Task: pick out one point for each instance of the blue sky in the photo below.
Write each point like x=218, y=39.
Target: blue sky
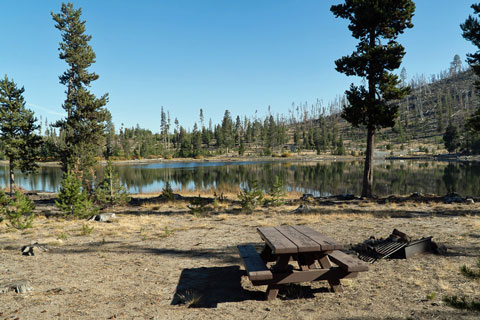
x=210, y=54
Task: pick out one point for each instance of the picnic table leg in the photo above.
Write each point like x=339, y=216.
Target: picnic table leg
x=280, y=265
x=306, y=261
x=266, y=254
x=335, y=285
x=325, y=262
x=272, y=291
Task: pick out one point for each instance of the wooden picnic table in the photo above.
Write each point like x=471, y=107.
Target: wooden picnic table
x=294, y=254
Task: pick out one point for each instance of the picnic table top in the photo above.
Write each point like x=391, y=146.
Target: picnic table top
x=296, y=239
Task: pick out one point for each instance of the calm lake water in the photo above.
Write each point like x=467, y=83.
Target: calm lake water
x=318, y=178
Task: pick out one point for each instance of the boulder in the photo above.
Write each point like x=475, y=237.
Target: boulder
x=33, y=249
x=438, y=248
x=346, y=196
x=307, y=197
x=18, y=287
x=452, y=198
x=399, y=236
x=103, y=217
x=303, y=208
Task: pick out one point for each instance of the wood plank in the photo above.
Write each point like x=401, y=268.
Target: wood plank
x=296, y=276
x=277, y=241
x=303, y=243
x=347, y=262
x=326, y=244
x=253, y=263
x=325, y=262
x=335, y=285
x=272, y=291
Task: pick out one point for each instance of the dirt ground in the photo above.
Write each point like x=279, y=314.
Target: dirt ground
x=157, y=260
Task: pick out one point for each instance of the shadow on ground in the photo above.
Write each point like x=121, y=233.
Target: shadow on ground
x=227, y=254
x=207, y=287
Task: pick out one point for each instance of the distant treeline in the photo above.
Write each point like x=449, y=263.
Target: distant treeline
x=424, y=115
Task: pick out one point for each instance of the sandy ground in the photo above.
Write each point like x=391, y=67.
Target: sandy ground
x=158, y=261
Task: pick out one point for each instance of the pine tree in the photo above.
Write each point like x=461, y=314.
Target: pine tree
x=72, y=198
x=163, y=125
x=17, y=130
x=84, y=126
x=455, y=65
x=227, y=131
x=241, y=148
x=471, y=32
x=111, y=192
x=376, y=24
x=110, y=139
x=451, y=138
x=196, y=141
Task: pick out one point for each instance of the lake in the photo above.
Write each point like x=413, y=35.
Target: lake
x=323, y=178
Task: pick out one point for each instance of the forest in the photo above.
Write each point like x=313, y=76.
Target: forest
x=434, y=103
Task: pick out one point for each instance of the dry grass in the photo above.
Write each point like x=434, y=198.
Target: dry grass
x=148, y=248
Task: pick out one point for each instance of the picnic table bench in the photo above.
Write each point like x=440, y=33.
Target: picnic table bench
x=314, y=256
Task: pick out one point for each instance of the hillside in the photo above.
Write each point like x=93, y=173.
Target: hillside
x=308, y=128
x=424, y=115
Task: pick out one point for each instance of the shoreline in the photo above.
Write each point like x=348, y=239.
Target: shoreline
x=295, y=158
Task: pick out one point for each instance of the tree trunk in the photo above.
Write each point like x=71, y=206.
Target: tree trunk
x=111, y=186
x=368, y=170
x=12, y=177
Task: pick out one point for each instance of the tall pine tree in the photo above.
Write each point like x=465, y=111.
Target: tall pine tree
x=17, y=130
x=376, y=24
x=84, y=126
x=471, y=32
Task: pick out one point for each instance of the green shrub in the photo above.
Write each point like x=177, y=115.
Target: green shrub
x=19, y=211
x=111, y=192
x=251, y=197
x=464, y=302
x=72, y=199
x=267, y=152
x=167, y=192
x=3, y=203
x=198, y=206
x=241, y=148
x=277, y=192
x=167, y=232
x=86, y=230
x=471, y=273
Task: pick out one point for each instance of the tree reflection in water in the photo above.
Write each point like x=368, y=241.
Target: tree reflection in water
x=318, y=178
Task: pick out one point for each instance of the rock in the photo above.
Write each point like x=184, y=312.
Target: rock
x=103, y=217
x=346, y=196
x=401, y=235
x=307, y=197
x=18, y=287
x=371, y=241
x=470, y=201
x=438, y=248
x=303, y=208
x=33, y=249
x=452, y=198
